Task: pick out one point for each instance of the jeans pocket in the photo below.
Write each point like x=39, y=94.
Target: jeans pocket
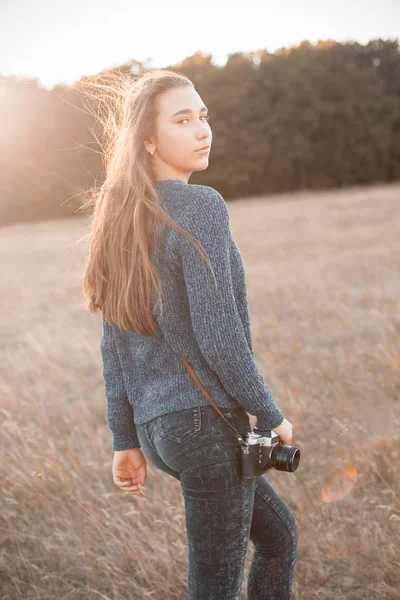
x=179, y=426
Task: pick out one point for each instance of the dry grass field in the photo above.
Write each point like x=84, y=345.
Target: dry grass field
x=323, y=281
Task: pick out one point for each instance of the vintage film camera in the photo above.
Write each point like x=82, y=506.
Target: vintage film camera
x=260, y=451
x=263, y=452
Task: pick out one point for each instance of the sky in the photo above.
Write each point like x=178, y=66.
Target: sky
x=58, y=42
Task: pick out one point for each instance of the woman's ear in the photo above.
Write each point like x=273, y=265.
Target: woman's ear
x=149, y=145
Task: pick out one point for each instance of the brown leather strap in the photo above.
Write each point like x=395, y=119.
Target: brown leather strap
x=204, y=391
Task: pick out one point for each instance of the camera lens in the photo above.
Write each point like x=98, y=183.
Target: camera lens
x=285, y=458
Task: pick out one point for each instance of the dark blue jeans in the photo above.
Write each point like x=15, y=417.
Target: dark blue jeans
x=222, y=510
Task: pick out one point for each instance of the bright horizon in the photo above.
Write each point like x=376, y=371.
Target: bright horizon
x=60, y=44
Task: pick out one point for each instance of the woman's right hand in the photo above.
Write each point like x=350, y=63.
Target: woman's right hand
x=285, y=432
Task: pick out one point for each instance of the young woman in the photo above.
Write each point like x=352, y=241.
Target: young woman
x=169, y=279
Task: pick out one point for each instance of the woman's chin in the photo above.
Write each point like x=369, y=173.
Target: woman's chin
x=202, y=160
x=200, y=167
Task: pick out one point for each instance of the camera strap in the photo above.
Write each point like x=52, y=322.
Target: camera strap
x=210, y=400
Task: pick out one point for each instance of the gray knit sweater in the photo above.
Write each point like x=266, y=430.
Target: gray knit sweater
x=143, y=375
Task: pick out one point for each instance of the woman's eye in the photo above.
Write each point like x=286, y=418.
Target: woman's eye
x=207, y=117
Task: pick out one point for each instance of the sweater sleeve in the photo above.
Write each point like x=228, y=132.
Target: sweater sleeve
x=242, y=301
x=119, y=410
x=214, y=315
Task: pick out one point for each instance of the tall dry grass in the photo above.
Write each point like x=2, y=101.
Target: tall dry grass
x=323, y=280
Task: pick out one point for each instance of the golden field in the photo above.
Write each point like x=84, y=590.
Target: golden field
x=323, y=275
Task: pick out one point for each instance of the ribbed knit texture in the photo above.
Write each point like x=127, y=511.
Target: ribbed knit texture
x=143, y=375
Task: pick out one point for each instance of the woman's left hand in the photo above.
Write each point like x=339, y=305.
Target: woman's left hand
x=129, y=470
x=253, y=421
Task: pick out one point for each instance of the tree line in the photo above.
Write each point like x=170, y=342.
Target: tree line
x=308, y=117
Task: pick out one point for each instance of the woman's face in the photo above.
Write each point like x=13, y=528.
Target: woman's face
x=180, y=136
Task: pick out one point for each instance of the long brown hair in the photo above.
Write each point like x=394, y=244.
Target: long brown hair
x=126, y=212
